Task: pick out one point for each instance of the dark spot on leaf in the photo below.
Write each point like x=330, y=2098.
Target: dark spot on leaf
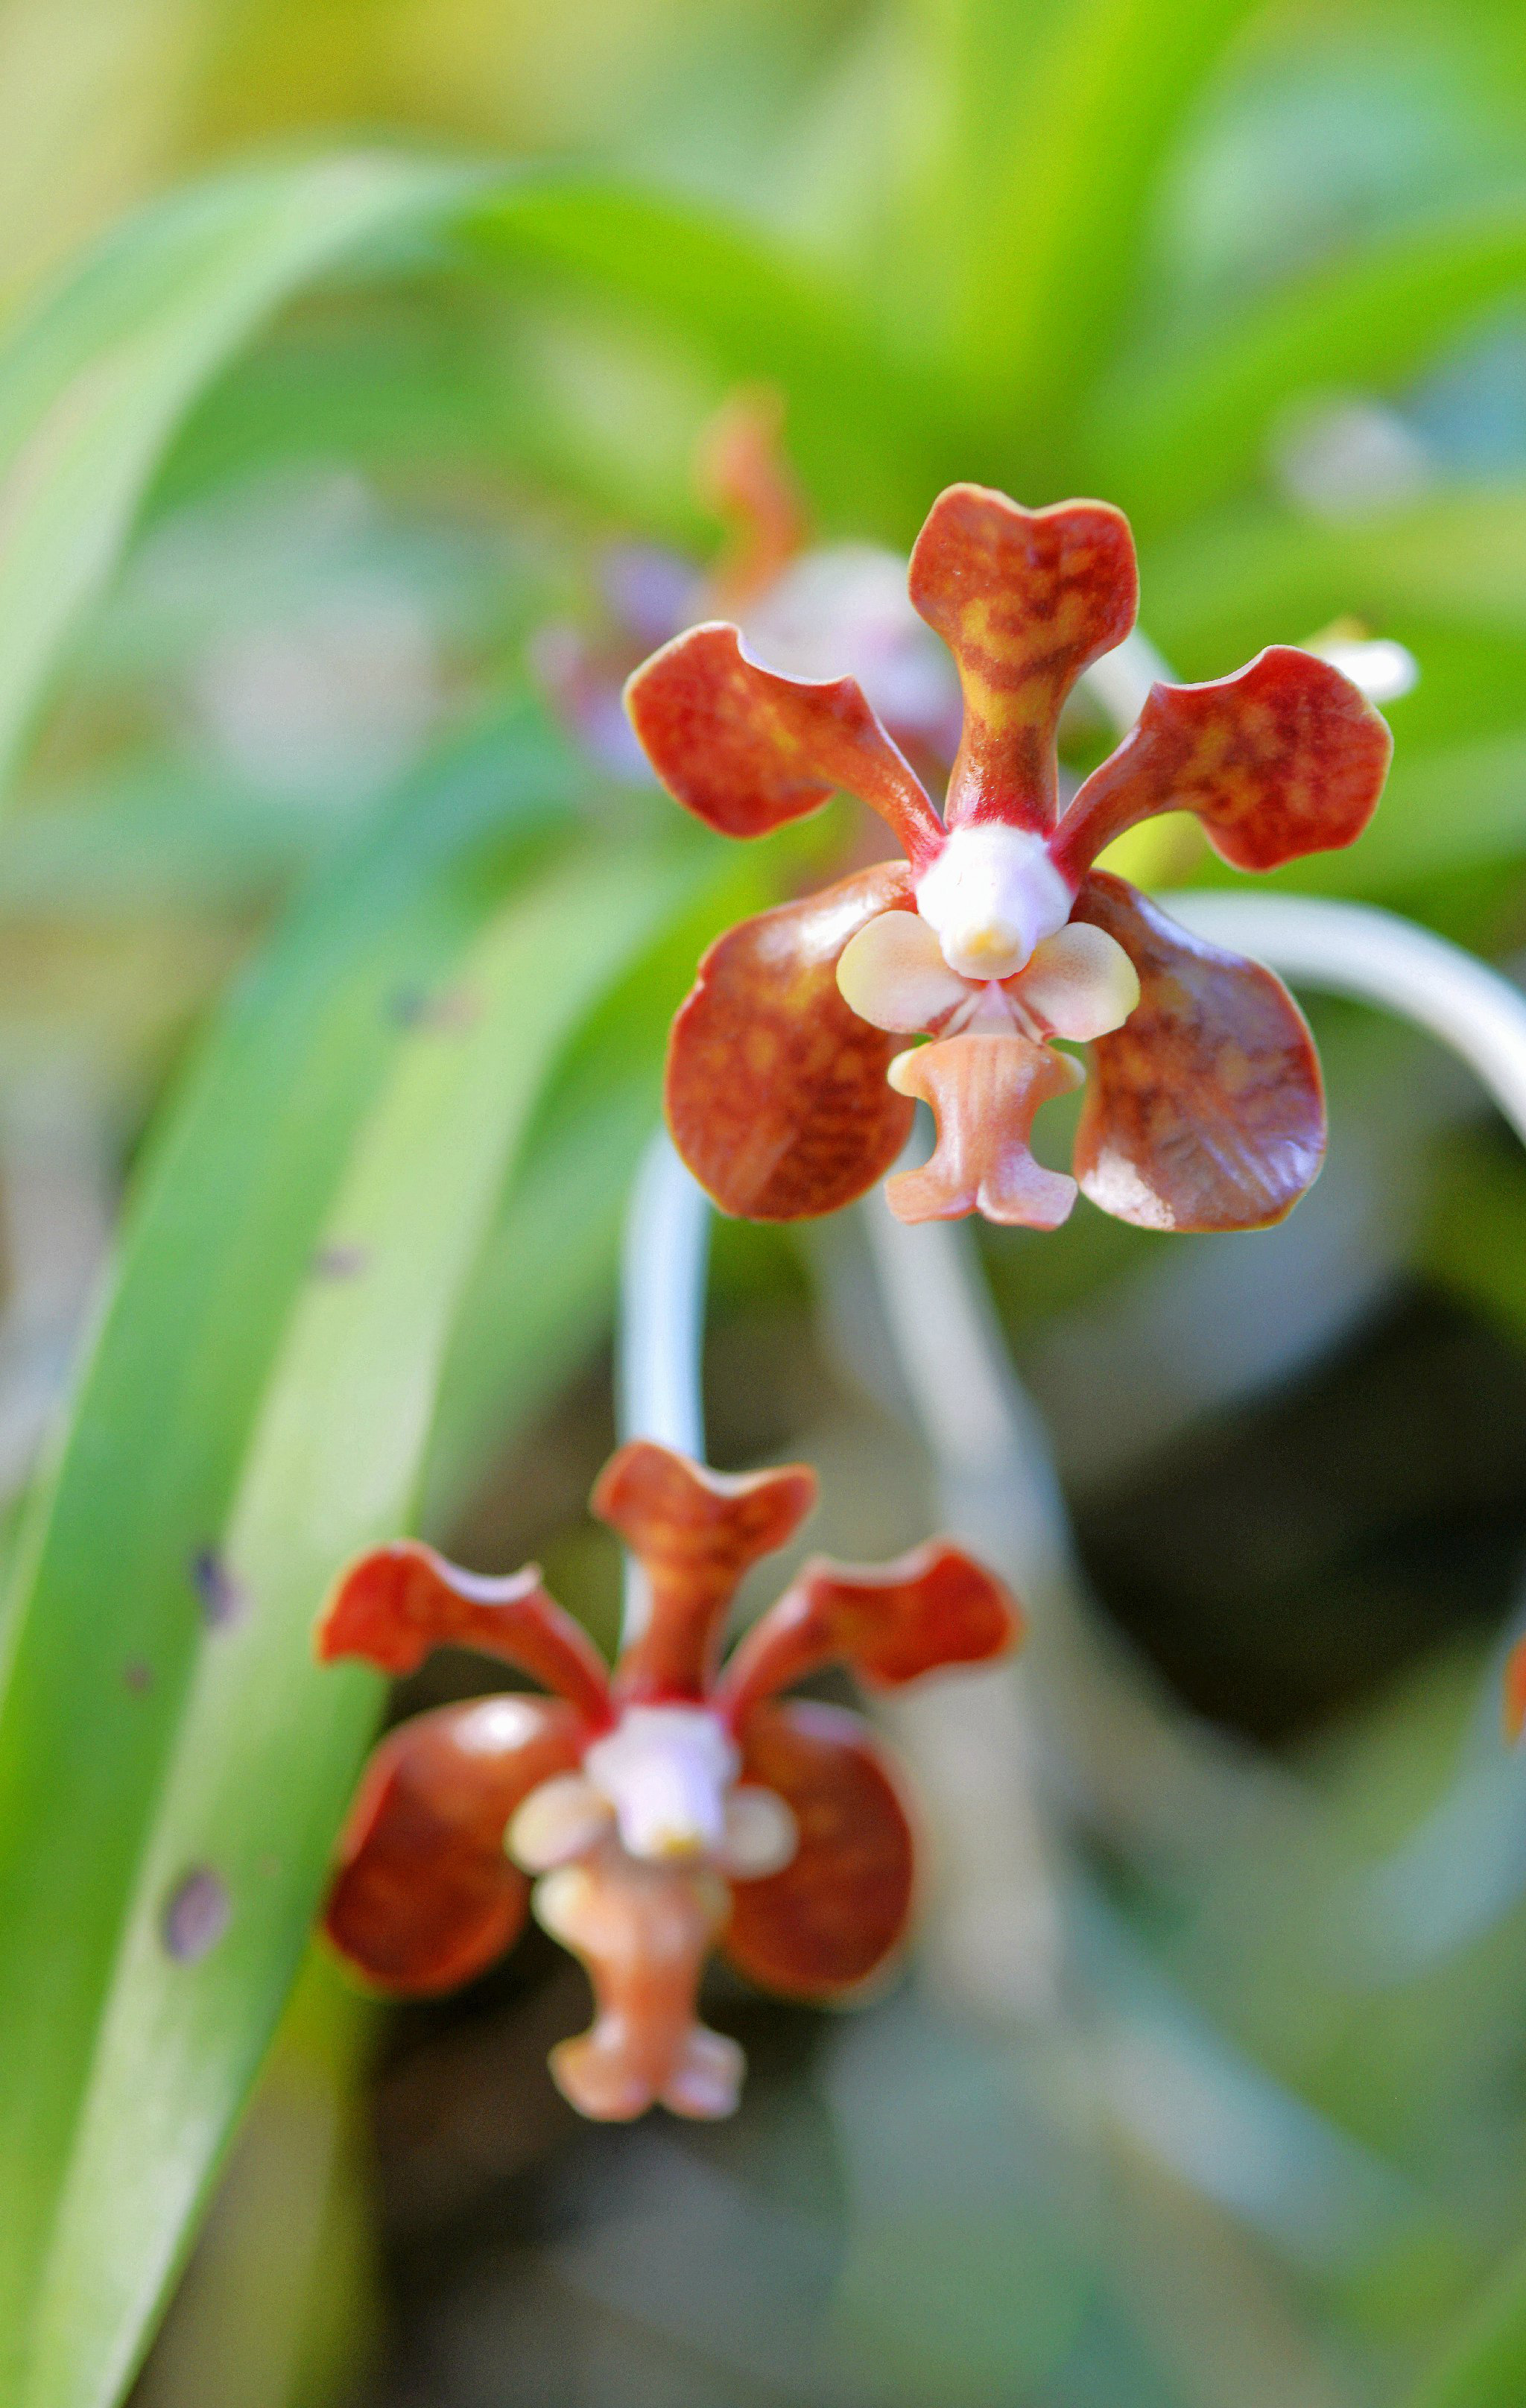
x=138, y=1676
x=339, y=1262
x=450, y=1009
x=225, y=1599
x=195, y=1916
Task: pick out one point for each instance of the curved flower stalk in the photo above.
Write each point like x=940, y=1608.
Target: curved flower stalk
x=673, y=1806
x=807, y=608
x=787, y=1095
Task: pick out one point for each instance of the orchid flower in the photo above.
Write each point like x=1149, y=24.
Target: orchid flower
x=787, y=1092
x=667, y=1808
x=807, y=608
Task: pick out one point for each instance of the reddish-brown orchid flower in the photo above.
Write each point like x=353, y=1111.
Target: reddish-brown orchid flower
x=787, y=1095
x=670, y=1807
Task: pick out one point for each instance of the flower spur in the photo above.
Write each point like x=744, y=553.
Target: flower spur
x=666, y=1809
x=787, y=1095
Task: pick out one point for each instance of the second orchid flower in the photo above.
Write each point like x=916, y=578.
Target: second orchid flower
x=787, y=1094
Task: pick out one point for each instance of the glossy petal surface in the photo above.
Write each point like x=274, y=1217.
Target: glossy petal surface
x=397, y=1603
x=1286, y=758
x=1206, y=1110
x=888, y=1623
x=424, y=1897
x=694, y=1533
x=746, y=749
x=1025, y=600
x=776, y=1091
x=983, y=1092
x=838, y=1908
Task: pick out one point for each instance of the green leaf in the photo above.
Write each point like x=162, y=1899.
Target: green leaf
x=250, y=1781
x=1173, y=435
x=1485, y=2366
x=1051, y=249
x=103, y=1632
x=870, y=434
x=94, y=384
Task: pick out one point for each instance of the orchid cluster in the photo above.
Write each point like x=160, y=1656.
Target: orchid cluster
x=662, y=1811
x=790, y=1085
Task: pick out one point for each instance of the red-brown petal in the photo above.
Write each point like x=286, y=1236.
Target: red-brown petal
x=694, y=1532
x=1285, y=758
x=1514, y=1700
x=776, y=1092
x=888, y=1623
x=1205, y=1109
x=398, y=1603
x=983, y=1092
x=840, y=1907
x=745, y=750
x=1025, y=600
x=424, y=1897
x=742, y=475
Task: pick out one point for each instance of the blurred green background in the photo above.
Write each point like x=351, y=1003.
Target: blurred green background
x=327, y=944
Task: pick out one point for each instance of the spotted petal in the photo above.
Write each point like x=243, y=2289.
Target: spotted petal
x=746, y=749
x=776, y=1090
x=888, y=1623
x=1206, y=1111
x=838, y=1908
x=1025, y=601
x=1286, y=758
x=399, y=1602
x=424, y=1897
x=694, y=1532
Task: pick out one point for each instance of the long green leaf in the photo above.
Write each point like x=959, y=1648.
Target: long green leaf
x=1174, y=435
x=94, y=384
x=1050, y=250
x=870, y=433
x=102, y=1629
x=253, y=1778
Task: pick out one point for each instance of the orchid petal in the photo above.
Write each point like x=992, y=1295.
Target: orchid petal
x=1206, y=1111
x=743, y=476
x=694, y=1532
x=424, y=1897
x=1285, y=758
x=983, y=1092
x=643, y=1933
x=746, y=749
x=832, y=1916
x=888, y=1623
x=398, y=1603
x=1025, y=600
x=1080, y=983
x=893, y=974
x=776, y=1091
x=562, y=1819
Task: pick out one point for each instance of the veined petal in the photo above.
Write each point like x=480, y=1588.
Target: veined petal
x=888, y=1623
x=983, y=1092
x=424, y=1896
x=399, y=1602
x=776, y=1090
x=746, y=749
x=893, y=974
x=1025, y=600
x=694, y=1532
x=1080, y=983
x=1285, y=758
x=832, y=1916
x=1206, y=1110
